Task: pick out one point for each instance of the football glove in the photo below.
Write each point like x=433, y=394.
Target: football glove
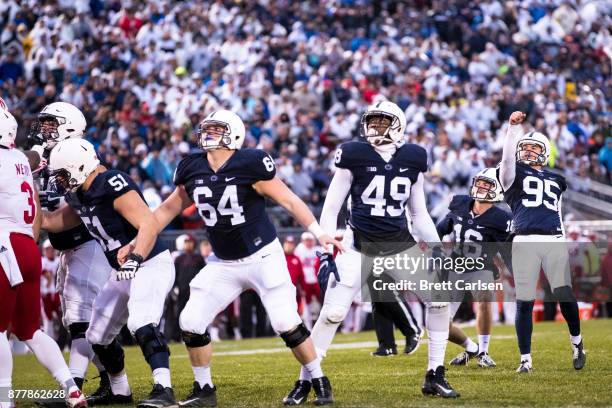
x=49, y=200
x=130, y=267
x=327, y=266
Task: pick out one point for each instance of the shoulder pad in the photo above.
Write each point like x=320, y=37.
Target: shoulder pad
x=350, y=154
x=415, y=155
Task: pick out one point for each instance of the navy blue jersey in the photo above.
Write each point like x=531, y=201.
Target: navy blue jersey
x=535, y=200
x=234, y=213
x=489, y=228
x=96, y=209
x=70, y=239
x=380, y=190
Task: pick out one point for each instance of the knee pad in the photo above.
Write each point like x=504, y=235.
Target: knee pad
x=296, y=336
x=334, y=314
x=77, y=330
x=111, y=356
x=564, y=294
x=193, y=340
x=151, y=341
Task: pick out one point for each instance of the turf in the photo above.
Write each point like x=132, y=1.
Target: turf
x=259, y=372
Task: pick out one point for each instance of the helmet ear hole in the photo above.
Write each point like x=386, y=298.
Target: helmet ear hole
x=81, y=167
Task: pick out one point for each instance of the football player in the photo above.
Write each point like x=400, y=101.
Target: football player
x=112, y=208
x=475, y=219
x=229, y=186
x=83, y=267
x=20, y=267
x=534, y=195
x=384, y=179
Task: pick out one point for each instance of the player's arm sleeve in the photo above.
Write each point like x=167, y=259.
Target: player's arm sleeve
x=445, y=226
x=423, y=225
x=336, y=195
x=263, y=167
x=507, y=169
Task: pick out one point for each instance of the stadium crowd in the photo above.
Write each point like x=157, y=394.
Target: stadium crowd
x=301, y=73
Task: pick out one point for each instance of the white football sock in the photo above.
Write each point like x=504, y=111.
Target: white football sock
x=202, y=375
x=49, y=355
x=436, y=322
x=526, y=357
x=483, y=343
x=81, y=354
x=314, y=368
x=470, y=346
x=305, y=374
x=576, y=339
x=162, y=376
x=6, y=368
x=119, y=384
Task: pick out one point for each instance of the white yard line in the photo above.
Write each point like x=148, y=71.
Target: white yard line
x=339, y=346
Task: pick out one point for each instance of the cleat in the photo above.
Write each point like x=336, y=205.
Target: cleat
x=76, y=399
x=525, y=367
x=79, y=382
x=384, y=352
x=298, y=394
x=463, y=358
x=485, y=361
x=436, y=384
x=158, y=398
x=323, y=391
x=104, y=395
x=412, y=343
x=578, y=355
x=200, y=396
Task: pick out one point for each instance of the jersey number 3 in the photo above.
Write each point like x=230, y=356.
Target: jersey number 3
x=228, y=205
x=30, y=214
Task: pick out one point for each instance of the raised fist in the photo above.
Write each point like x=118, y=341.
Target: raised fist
x=517, y=118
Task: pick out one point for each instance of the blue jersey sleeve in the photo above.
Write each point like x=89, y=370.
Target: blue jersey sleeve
x=445, y=226
x=259, y=164
x=117, y=184
x=180, y=174
x=347, y=155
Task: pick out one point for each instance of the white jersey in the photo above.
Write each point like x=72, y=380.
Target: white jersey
x=17, y=204
x=308, y=257
x=47, y=281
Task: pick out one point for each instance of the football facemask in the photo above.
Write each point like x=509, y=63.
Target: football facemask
x=214, y=135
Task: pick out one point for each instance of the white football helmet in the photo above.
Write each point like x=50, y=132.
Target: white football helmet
x=59, y=121
x=394, y=133
x=494, y=193
x=232, y=136
x=70, y=163
x=533, y=138
x=8, y=127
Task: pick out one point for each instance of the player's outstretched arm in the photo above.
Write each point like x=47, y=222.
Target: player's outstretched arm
x=164, y=214
x=60, y=220
x=172, y=207
x=133, y=208
x=336, y=195
x=507, y=169
x=279, y=192
x=423, y=225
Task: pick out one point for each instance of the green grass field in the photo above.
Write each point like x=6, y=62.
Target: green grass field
x=259, y=372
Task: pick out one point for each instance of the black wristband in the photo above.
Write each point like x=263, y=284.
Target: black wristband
x=135, y=257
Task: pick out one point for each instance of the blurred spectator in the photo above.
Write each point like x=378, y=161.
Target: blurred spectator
x=300, y=75
x=306, y=251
